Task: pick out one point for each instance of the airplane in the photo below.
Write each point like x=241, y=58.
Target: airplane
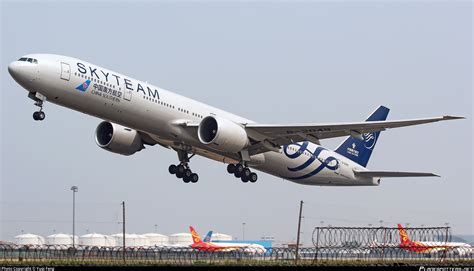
x=136, y=114
x=458, y=248
x=221, y=246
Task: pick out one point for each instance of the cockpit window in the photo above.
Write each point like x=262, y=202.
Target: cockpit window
x=31, y=60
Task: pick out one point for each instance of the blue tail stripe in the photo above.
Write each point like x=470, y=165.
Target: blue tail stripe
x=358, y=150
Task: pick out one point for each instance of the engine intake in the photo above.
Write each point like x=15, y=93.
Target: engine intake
x=222, y=134
x=118, y=139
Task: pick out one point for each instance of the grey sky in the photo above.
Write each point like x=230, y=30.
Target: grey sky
x=273, y=62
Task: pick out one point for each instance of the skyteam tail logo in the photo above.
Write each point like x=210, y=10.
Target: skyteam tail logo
x=369, y=140
x=83, y=87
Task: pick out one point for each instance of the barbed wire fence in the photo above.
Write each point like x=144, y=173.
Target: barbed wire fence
x=384, y=244
x=332, y=246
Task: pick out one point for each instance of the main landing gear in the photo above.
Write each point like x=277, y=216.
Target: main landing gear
x=182, y=171
x=242, y=172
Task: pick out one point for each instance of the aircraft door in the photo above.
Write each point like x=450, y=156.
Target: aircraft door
x=65, y=71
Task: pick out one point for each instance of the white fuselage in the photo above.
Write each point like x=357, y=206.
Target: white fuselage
x=157, y=112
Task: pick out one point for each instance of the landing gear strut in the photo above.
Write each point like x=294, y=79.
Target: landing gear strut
x=182, y=171
x=39, y=99
x=242, y=172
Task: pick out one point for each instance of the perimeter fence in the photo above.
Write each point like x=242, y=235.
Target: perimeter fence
x=332, y=246
x=383, y=244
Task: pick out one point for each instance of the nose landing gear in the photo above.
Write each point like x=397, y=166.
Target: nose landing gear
x=39, y=99
x=39, y=115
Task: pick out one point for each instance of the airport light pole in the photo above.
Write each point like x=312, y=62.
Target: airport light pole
x=74, y=190
x=123, y=229
x=243, y=230
x=299, y=231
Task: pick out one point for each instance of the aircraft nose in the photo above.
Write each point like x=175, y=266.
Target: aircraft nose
x=14, y=69
x=23, y=72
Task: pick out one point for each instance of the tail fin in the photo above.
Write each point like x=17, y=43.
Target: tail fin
x=404, y=239
x=195, y=236
x=359, y=150
x=207, y=238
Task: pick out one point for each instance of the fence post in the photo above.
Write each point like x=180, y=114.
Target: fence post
x=384, y=242
x=317, y=246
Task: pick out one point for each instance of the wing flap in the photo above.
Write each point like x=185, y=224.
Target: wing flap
x=387, y=174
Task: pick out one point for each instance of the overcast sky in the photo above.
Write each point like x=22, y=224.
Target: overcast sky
x=272, y=62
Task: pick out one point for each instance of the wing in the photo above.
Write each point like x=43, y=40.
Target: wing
x=269, y=137
x=385, y=174
x=300, y=132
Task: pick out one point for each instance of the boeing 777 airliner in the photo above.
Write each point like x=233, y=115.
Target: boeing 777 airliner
x=136, y=114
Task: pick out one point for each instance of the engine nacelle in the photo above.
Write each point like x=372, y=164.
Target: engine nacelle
x=222, y=134
x=117, y=138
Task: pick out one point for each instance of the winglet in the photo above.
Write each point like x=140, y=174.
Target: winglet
x=453, y=117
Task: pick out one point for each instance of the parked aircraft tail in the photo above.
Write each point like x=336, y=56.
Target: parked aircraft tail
x=207, y=238
x=195, y=236
x=404, y=239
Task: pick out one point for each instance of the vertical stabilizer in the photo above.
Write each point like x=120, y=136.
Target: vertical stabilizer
x=195, y=236
x=404, y=240
x=359, y=150
x=208, y=237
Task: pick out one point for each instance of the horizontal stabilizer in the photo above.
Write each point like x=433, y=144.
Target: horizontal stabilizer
x=385, y=174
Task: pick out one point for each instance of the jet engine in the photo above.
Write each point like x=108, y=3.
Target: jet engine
x=118, y=139
x=222, y=134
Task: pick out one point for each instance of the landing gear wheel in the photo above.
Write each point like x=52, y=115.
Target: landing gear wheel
x=186, y=179
x=253, y=177
x=187, y=173
x=239, y=168
x=246, y=173
x=237, y=174
x=180, y=169
x=39, y=115
x=172, y=169
x=231, y=168
x=244, y=179
x=194, y=178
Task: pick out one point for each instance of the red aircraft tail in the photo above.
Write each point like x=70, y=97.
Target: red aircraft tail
x=195, y=236
x=404, y=239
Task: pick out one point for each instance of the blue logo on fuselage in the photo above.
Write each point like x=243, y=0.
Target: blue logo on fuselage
x=83, y=87
x=326, y=163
